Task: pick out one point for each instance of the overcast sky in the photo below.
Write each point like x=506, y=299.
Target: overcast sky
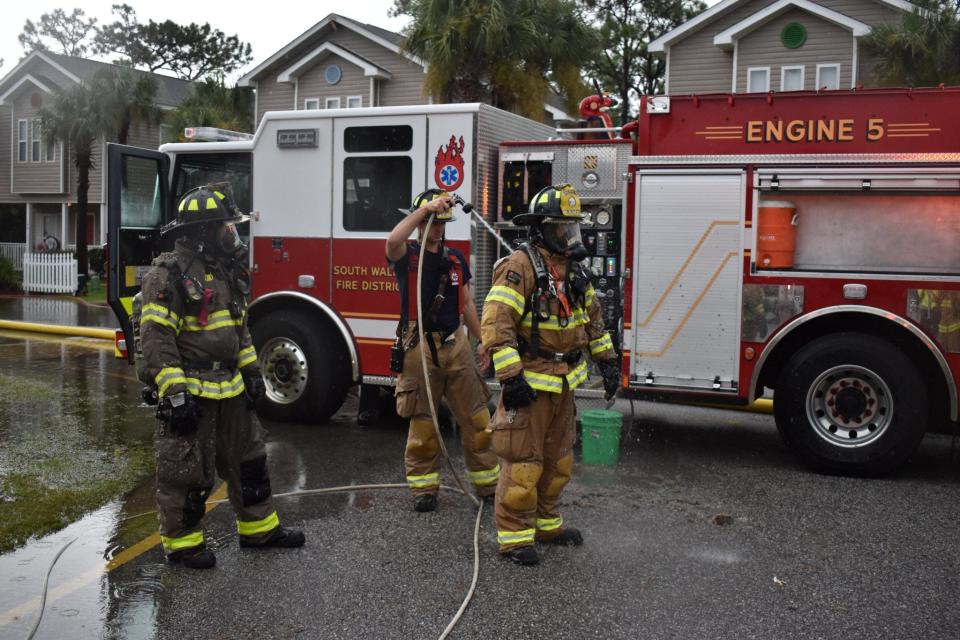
x=268, y=29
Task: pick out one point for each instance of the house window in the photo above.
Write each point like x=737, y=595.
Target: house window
x=758, y=79
x=354, y=102
x=36, y=141
x=50, y=152
x=332, y=103
x=21, y=141
x=828, y=76
x=311, y=103
x=791, y=78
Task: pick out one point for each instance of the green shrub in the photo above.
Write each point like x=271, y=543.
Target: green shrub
x=95, y=258
x=9, y=279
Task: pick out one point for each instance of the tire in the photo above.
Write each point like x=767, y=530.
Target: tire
x=851, y=404
x=305, y=366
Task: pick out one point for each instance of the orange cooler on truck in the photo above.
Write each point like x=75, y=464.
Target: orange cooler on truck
x=776, y=234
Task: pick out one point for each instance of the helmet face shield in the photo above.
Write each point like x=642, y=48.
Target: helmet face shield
x=223, y=239
x=563, y=237
x=228, y=239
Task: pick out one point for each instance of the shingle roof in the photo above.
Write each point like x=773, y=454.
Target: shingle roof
x=391, y=36
x=170, y=91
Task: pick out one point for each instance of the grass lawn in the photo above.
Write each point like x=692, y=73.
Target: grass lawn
x=55, y=468
x=95, y=297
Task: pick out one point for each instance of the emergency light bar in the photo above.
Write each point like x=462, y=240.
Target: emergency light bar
x=213, y=134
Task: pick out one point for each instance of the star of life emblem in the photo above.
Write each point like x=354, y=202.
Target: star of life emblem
x=448, y=165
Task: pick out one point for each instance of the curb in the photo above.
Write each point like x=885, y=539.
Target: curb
x=34, y=327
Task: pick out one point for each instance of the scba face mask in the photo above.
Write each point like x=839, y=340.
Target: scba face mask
x=563, y=237
x=225, y=239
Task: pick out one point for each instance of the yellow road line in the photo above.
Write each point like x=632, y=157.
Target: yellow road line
x=87, y=343
x=78, y=582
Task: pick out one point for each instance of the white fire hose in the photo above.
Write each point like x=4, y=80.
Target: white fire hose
x=364, y=487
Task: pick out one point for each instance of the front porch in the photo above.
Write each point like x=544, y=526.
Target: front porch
x=46, y=227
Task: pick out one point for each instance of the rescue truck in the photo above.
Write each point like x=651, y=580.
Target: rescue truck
x=801, y=244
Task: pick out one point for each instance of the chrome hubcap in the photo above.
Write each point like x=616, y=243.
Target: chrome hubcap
x=284, y=367
x=849, y=406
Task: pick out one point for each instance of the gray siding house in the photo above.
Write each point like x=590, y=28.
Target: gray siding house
x=38, y=180
x=786, y=45
x=342, y=63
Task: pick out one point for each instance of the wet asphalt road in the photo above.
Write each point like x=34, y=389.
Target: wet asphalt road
x=802, y=556
x=805, y=556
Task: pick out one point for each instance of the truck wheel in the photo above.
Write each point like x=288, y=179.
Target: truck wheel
x=852, y=404
x=306, y=371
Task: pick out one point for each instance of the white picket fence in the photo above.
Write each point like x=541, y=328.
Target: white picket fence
x=14, y=251
x=49, y=273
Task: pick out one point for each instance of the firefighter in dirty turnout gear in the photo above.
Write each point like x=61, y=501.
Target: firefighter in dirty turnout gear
x=539, y=319
x=200, y=358
x=452, y=369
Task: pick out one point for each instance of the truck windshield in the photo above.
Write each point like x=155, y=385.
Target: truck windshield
x=196, y=169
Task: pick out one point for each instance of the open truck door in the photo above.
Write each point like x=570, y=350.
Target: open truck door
x=138, y=206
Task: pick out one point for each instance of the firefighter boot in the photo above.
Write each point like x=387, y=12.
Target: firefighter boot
x=281, y=537
x=425, y=502
x=194, y=558
x=526, y=556
x=569, y=537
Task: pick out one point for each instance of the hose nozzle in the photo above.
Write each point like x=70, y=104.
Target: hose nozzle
x=466, y=206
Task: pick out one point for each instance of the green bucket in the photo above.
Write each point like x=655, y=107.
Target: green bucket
x=600, y=438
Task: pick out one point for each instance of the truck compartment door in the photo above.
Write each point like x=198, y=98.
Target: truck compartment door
x=137, y=206
x=687, y=281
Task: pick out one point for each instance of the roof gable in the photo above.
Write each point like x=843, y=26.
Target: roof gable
x=44, y=85
x=306, y=62
x=726, y=6
x=386, y=39
x=170, y=91
x=726, y=38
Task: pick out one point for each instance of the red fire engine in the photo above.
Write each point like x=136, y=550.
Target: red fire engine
x=801, y=243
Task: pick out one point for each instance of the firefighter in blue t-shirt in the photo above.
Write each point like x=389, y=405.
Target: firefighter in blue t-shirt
x=447, y=298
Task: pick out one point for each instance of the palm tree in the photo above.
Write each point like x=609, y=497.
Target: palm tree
x=128, y=95
x=213, y=104
x=510, y=53
x=922, y=50
x=78, y=118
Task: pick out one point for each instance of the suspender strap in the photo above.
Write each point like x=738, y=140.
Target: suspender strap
x=433, y=349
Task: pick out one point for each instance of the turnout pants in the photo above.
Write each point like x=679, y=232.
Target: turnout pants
x=458, y=381
x=229, y=442
x=536, y=445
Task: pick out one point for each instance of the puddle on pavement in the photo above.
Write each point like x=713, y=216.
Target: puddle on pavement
x=83, y=600
x=56, y=310
x=68, y=414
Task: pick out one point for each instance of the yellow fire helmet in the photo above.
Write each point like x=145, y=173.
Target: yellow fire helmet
x=204, y=204
x=427, y=196
x=556, y=201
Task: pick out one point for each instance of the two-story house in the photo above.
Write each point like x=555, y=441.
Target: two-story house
x=342, y=63
x=38, y=179
x=780, y=45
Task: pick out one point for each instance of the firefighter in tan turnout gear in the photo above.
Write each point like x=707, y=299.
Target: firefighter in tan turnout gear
x=198, y=355
x=452, y=369
x=539, y=317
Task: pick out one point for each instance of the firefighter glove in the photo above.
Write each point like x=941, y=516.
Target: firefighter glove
x=517, y=392
x=611, y=377
x=180, y=412
x=254, y=388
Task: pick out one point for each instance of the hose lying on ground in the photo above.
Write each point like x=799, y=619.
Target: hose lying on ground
x=362, y=487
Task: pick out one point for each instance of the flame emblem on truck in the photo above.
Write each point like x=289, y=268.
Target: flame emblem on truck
x=448, y=166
